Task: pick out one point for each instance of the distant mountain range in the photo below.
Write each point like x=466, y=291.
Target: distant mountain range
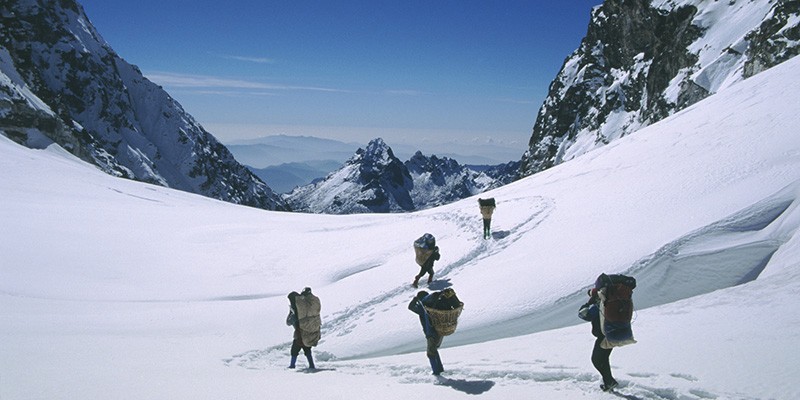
x=286, y=162
x=374, y=180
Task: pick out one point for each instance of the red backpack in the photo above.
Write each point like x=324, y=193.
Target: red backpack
x=616, y=309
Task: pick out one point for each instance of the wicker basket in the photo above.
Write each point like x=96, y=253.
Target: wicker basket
x=444, y=321
x=422, y=255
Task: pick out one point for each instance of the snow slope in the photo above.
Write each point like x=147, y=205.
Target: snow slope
x=111, y=288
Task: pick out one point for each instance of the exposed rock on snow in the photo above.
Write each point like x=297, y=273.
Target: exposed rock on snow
x=642, y=61
x=376, y=181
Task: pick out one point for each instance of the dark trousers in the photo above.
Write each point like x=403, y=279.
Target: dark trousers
x=297, y=345
x=427, y=269
x=433, y=346
x=487, y=228
x=600, y=361
x=433, y=354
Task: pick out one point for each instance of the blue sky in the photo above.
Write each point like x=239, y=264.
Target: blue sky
x=415, y=71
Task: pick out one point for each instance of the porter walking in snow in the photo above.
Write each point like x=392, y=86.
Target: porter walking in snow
x=487, y=209
x=609, y=309
x=304, y=316
x=426, y=253
x=438, y=314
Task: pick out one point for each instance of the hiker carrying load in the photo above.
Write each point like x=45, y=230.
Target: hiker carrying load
x=438, y=314
x=487, y=209
x=426, y=253
x=609, y=309
x=304, y=316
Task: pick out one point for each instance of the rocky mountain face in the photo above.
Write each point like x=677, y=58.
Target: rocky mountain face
x=438, y=181
x=375, y=181
x=60, y=82
x=643, y=60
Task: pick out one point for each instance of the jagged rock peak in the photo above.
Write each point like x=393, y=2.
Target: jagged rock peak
x=376, y=181
x=642, y=61
x=372, y=181
x=377, y=153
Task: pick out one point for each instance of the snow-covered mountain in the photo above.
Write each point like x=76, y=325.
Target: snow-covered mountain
x=439, y=181
x=61, y=82
x=375, y=180
x=643, y=60
x=111, y=288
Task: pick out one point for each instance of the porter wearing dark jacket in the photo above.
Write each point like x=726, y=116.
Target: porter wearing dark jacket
x=433, y=338
x=591, y=312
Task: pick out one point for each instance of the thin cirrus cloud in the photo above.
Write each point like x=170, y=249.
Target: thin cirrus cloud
x=257, y=60
x=204, y=82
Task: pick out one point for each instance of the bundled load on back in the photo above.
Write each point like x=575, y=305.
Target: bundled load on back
x=423, y=248
x=308, y=317
x=443, y=308
x=487, y=202
x=616, y=309
x=487, y=209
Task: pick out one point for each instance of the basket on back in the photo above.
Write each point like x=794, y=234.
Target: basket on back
x=444, y=321
x=423, y=248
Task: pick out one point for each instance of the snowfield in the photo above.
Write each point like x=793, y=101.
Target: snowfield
x=114, y=289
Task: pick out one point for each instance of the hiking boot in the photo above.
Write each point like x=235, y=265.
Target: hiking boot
x=416, y=282
x=610, y=386
x=310, y=361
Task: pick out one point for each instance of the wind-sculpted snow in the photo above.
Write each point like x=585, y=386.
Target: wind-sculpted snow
x=727, y=253
x=730, y=252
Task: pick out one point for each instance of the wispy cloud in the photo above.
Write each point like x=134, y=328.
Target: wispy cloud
x=207, y=82
x=257, y=60
x=232, y=93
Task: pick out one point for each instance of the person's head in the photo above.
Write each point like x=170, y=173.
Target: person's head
x=306, y=290
x=292, y=296
x=421, y=295
x=592, y=292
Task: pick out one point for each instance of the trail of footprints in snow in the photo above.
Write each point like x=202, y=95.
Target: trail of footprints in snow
x=641, y=385
x=338, y=324
x=638, y=385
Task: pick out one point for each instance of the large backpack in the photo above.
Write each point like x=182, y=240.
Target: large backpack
x=423, y=248
x=443, y=309
x=308, y=318
x=487, y=207
x=616, y=308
